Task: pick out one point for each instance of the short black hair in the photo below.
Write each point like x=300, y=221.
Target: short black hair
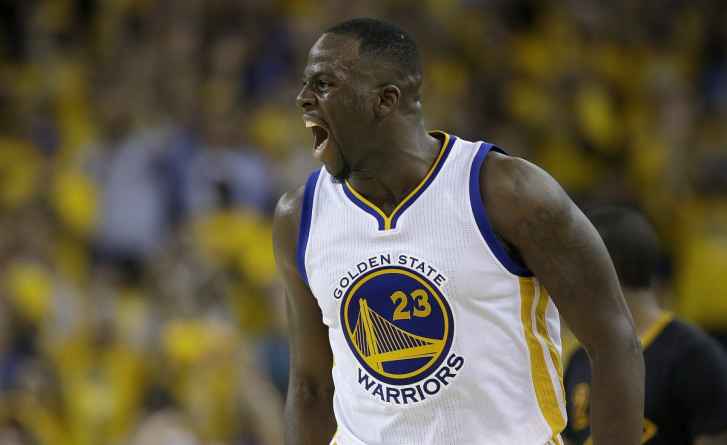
x=382, y=39
x=632, y=243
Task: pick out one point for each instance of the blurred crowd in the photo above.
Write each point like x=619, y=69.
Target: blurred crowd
x=143, y=144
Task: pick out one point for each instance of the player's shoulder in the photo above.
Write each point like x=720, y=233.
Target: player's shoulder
x=515, y=190
x=292, y=203
x=290, y=214
x=289, y=205
x=686, y=338
x=681, y=330
x=286, y=222
x=507, y=177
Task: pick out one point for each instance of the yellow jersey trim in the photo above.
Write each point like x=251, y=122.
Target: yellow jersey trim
x=535, y=330
x=655, y=329
x=388, y=219
x=555, y=357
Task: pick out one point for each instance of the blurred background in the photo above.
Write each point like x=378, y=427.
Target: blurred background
x=143, y=145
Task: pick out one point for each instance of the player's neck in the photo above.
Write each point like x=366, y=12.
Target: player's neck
x=388, y=176
x=645, y=309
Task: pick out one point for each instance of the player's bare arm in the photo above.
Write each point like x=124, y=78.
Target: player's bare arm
x=533, y=214
x=308, y=409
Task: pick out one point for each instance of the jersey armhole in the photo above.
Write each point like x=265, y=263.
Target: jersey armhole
x=480, y=213
x=306, y=213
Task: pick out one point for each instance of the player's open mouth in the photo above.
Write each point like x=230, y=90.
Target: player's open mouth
x=320, y=138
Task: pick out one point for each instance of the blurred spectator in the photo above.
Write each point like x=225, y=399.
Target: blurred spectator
x=227, y=172
x=164, y=428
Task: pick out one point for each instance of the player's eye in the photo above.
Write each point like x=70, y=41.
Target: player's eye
x=323, y=85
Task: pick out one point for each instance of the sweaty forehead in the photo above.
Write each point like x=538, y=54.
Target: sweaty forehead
x=333, y=52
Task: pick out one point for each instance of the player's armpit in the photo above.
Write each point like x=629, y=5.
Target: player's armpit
x=532, y=213
x=309, y=407
x=720, y=439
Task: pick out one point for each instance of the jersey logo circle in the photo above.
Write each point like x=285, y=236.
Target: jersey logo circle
x=397, y=324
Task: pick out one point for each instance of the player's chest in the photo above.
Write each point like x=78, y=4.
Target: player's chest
x=417, y=286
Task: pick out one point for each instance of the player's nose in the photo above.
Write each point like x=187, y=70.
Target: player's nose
x=305, y=98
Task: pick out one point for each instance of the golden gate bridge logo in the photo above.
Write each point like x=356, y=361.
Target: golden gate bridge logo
x=397, y=324
x=380, y=340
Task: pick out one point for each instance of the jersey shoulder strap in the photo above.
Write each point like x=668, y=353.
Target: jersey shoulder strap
x=306, y=213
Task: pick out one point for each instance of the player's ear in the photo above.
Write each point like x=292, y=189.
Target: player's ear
x=388, y=100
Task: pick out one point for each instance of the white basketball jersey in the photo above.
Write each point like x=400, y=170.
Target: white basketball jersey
x=438, y=337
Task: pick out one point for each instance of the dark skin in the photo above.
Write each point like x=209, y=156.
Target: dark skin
x=378, y=142
x=308, y=408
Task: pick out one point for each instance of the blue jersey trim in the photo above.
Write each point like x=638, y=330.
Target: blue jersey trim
x=483, y=222
x=305, y=222
x=388, y=222
x=361, y=205
x=435, y=172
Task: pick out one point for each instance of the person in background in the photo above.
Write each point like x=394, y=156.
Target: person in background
x=686, y=370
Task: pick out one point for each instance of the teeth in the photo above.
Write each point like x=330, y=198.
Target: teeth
x=309, y=124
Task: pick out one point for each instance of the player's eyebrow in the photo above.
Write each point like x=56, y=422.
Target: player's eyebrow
x=313, y=70
x=322, y=69
x=314, y=75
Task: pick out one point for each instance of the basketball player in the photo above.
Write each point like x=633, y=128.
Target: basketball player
x=686, y=371
x=419, y=268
